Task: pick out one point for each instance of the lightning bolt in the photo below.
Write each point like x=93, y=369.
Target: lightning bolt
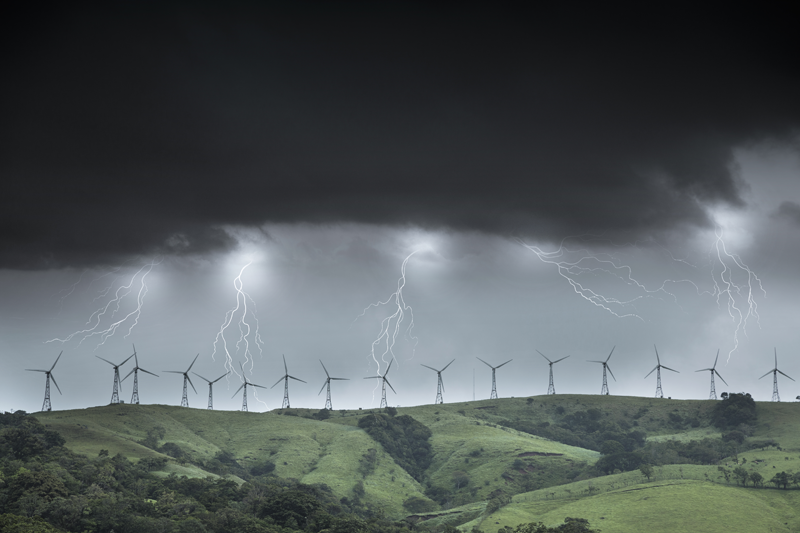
x=239, y=312
x=573, y=263
x=111, y=308
x=390, y=325
x=733, y=290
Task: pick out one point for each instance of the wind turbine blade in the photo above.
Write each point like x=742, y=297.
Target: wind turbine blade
x=388, y=367
x=704, y=369
x=498, y=366
x=237, y=390
x=341, y=379
x=543, y=355
x=484, y=362
x=715, y=359
x=201, y=377
x=609, y=355
x=374, y=377
x=284, y=365
x=298, y=379
x=657, y=357
x=767, y=374
x=110, y=363
x=668, y=368
x=591, y=361
x=34, y=370
x=323, y=387
x=172, y=371
x=193, y=360
x=776, y=359
x=59, y=389
x=390, y=385
x=557, y=360
x=325, y=369
x=126, y=360
x=720, y=377
x=259, y=386
x=426, y=366
x=219, y=378
x=190, y=383
x=654, y=369
x=443, y=386
x=62, y=351
x=610, y=372
x=147, y=371
x=276, y=383
x=129, y=373
x=448, y=364
x=786, y=375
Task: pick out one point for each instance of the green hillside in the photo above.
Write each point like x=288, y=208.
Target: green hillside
x=494, y=463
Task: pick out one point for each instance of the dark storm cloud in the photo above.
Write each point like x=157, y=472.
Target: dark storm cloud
x=788, y=211
x=150, y=129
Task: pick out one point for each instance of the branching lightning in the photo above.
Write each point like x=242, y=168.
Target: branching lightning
x=95, y=326
x=239, y=313
x=573, y=263
x=732, y=282
x=390, y=325
x=726, y=279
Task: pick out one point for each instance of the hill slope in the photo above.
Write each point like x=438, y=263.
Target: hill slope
x=484, y=472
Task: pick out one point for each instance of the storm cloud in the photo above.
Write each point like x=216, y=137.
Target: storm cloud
x=152, y=129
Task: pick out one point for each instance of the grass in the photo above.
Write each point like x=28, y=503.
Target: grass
x=472, y=437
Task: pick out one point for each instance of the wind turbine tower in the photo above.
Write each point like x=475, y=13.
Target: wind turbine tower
x=244, y=386
x=493, y=395
x=285, y=379
x=713, y=369
x=775, y=396
x=328, y=404
x=210, y=388
x=135, y=372
x=185, y=398
x=551, y=389
x=383, y=384
x=117, y=384
x=46, y=406
x=604, y=390
x=657, y=370
x=440, y=386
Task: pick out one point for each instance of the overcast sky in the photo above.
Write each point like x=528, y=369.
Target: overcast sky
x=566, y=181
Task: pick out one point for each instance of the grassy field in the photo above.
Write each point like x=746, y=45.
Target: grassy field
x=474, y=440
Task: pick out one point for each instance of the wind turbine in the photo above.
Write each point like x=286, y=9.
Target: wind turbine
x=440, y=386
x=286, y=385
x=551, y=389
x=185, y=398
x=493, y=395
x=327, y=383
x=135, y=372
x=384, y=383
x=713, y=369
x=604, y=390
x=657, y=370
x=244, y=386
x=210, y=389
x=117, y=384
x=49, y=373
x=775, y=396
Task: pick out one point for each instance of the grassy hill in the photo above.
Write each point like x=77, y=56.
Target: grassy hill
x=487, y=469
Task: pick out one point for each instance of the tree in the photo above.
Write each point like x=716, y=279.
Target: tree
x=757, y=479
x=781, y=479
x=737, y=408
x=646, y=470
x=741, y=475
